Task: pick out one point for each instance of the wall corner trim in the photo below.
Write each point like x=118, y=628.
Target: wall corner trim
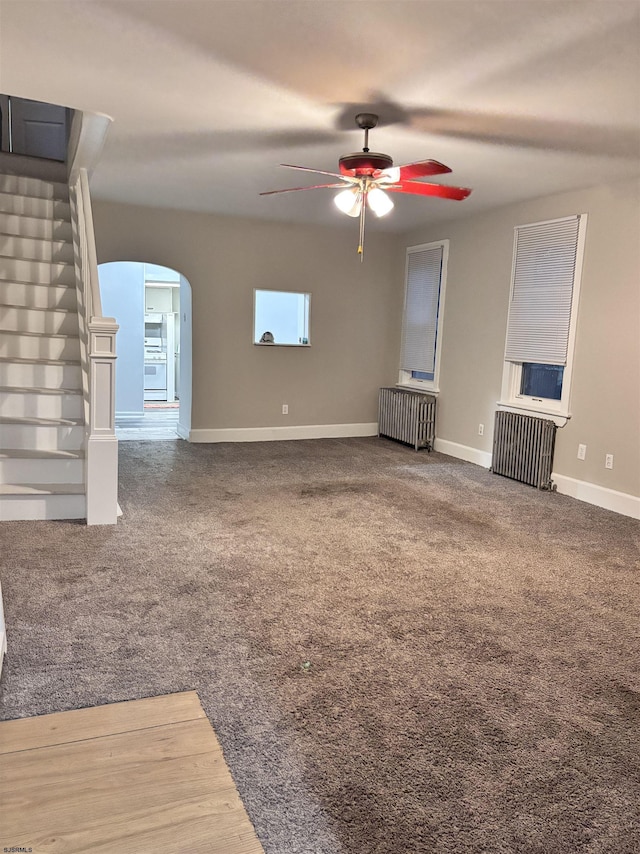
x=184, y=433
x=463, y=452
x=276, y=434
x=601, y=496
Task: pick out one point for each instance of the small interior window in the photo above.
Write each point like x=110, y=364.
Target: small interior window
x=281, y=318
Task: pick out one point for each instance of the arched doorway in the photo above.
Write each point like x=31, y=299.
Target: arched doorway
x=152, y=305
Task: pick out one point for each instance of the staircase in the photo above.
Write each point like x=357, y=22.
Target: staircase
x=42, y=424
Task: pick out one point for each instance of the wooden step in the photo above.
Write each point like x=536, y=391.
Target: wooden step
x=25, y=466
x=28, y=295
x=42, y=434
x=37, y=321
x=40, y=403
x=35, y=248
x=36, y=272
x=43, y=228
x=41, y=501
x=23, y=345
x=44, y=373
x=21, y=185
x=34, y=206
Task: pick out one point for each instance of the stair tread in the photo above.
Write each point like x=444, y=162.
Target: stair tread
x=55, y=310
x=20, y=360
x=39, y=334
x=15, y=389
x=33, y=454
x=64, y=199
x=7, y=489
x=56, y=223
x=36, y=260
x=36, y=284
x=42, y=422
x=39, y=239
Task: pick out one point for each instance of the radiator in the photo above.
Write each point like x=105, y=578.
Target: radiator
x=523, y=448
x=408, y=416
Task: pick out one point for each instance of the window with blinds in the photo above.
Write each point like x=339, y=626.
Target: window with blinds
x=542, y=292
x=542, y=311
x=423, y=309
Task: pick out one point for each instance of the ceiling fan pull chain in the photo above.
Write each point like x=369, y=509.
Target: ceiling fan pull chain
x=363, y=210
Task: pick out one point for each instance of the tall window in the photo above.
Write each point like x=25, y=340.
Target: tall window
x=423, y=314
x=543, y=310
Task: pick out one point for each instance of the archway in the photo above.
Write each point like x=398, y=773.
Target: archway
x=152, y=305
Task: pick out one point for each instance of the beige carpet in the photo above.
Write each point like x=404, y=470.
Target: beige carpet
x=400, y=653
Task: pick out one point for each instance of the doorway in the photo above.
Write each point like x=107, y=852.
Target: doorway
x=152, y=305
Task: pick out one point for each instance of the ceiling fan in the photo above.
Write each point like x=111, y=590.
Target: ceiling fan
x=369, y=176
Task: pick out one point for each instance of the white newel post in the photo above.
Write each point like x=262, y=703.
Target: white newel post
x=102, y=445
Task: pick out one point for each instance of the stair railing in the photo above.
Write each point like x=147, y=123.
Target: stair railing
x=98, y=356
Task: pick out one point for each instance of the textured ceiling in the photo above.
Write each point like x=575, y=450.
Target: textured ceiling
x=520, y=99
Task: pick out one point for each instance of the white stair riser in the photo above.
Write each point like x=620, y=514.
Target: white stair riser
x=42, y=376
x=21, y=185
x=38, y=272
x=39, y=437
x=30, y=206
x=38, y=296
x=42, y=229
x=31, y=508
x=17, y=470
x=16, y=404
x=39, y=347
x=42, y=322
x=35, y=249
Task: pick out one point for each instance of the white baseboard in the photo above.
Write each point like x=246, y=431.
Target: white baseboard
x=275, y=434
x=130, y=416
x=463, y=452
x=609, y=499
x=591, y=493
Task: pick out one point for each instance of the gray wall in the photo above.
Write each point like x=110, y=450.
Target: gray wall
x=355, y=311
x=605, y=401
x=122, y=294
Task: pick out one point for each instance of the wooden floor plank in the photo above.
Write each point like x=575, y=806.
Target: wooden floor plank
x=164, y=787
x=80, y=724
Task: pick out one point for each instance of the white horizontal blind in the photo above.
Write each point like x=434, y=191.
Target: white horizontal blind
x=541, y=297
x=420, y=322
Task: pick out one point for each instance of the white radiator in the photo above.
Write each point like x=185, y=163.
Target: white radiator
x=407, y=416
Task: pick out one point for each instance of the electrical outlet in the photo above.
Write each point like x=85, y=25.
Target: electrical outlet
x=285, y=408
x=608, y=461
x=480, y=429
x=582, y=452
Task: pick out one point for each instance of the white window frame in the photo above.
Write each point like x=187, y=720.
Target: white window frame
x=405, y=379
x=306, y=318
x=511, y=398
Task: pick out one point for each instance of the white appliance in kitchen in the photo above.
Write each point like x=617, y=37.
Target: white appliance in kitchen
x=159, y=356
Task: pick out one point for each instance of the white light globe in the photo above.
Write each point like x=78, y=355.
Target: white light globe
x=349, y=201
x=379, y=201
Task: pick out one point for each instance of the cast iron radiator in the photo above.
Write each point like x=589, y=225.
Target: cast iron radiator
x=523, y=448
x=408, y=416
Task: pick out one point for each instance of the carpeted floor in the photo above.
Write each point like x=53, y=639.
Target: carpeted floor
x=400, y=653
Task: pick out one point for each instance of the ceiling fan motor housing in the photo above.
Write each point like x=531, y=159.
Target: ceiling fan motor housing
x=364, y=163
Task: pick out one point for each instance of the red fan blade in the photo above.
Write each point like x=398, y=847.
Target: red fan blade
x=317, y=171
x=350, y=173
x=421, y=169
x=419, y=188
x=295, y=189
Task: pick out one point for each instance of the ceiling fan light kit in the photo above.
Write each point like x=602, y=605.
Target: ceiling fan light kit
x=371, y=175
